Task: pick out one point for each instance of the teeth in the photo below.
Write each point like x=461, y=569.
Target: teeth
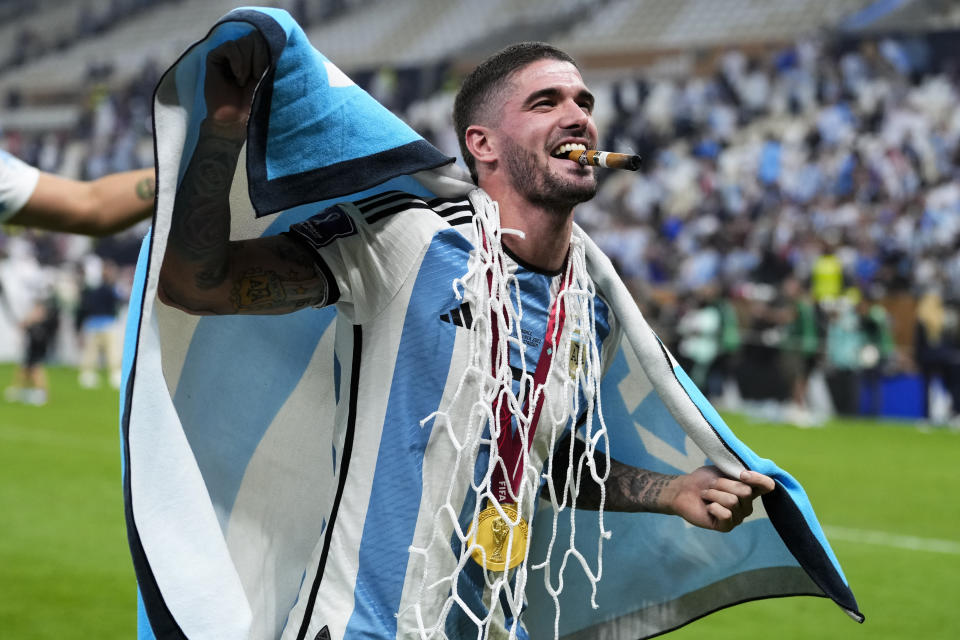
x=564, y=149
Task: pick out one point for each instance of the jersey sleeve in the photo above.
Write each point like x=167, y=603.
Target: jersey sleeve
x=17, y=182
x=365, y=259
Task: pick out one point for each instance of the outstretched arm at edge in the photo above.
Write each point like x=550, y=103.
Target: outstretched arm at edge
x=703, y=497
x=95, y=208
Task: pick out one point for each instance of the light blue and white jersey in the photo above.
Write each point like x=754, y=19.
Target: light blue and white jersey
x=402, y=340
x=17, y=182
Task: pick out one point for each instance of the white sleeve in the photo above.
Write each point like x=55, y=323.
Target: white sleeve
x=366, y=263
x=17, y=182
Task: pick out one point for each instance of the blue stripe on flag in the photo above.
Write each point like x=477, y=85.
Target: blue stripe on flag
x=216, y=367
x=144, y=630
x=130, y=338
x=756, y=463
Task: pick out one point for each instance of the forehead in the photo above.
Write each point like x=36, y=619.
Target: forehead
x=543, y=74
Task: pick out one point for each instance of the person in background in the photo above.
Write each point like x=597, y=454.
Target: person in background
x=877, y=351
x=843, y=346
x=39, y=329
x=937, y=354
x=801, y=345
x=97, y=322
x=699, y=330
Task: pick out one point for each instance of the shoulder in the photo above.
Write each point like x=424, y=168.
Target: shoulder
x=449, y=211
x=390, y=216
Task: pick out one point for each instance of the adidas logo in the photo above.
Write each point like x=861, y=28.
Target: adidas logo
x=460, y=316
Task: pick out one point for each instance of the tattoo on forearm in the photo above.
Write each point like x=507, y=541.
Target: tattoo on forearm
x=259, y=290
x=633, y=489
x=146, y=189
x=200, y=228
x=627, y=488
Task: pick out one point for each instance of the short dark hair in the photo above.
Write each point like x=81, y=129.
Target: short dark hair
x=486, y=81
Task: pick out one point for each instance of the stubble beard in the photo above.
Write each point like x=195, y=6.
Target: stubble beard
x=531, y=177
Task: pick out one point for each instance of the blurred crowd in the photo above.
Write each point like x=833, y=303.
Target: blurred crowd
x=791, y=234
x=89, y=20
x=816, y=175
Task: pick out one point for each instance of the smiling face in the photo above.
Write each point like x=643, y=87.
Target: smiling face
x=547, y=108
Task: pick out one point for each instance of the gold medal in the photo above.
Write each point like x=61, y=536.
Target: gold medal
x=495, y=535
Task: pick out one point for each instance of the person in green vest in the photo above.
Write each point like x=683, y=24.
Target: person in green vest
x=826, y=274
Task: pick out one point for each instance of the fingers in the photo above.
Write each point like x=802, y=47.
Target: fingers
x=239, y=65
x=730, y=502
x=761, y=484
x=243, y=60
x=723, y=519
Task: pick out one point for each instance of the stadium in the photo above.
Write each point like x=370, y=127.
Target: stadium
x=791, y=237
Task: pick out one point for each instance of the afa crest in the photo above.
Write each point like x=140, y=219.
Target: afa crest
x=577, y=355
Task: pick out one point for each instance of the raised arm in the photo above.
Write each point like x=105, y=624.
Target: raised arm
x=203, y=271
x=704, y=497
x=95, y=208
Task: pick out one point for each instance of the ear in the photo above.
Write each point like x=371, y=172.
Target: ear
x=481, y=144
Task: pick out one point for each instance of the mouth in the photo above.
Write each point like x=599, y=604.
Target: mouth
x=563, y=151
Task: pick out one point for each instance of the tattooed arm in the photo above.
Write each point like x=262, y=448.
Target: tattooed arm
x=203, y=271
x=703, y=497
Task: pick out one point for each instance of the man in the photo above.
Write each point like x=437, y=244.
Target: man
x=370, y=258
x=33, y=198
x=96, y=321
x=39, y=327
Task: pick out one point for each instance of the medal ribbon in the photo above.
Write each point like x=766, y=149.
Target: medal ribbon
x=510, y=444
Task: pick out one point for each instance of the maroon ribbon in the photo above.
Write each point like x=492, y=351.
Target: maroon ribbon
x=510, y=443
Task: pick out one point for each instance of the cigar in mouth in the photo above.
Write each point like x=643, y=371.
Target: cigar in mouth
x=605, y=159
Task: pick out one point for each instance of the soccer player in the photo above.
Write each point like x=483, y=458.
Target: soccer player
x=34, y=198
x=387, y=262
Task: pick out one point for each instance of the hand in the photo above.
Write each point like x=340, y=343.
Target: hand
x=233, y=70
x=708, y=499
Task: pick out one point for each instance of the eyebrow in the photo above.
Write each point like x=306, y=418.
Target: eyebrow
x=552, y=92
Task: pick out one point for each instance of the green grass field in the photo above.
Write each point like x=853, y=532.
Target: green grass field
x=65, y=571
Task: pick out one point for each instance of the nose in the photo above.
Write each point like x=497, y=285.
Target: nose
x=573, y=116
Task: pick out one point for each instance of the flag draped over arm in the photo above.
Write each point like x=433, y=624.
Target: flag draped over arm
x=230, y=465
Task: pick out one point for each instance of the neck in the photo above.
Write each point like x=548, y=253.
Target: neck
x=546, y=232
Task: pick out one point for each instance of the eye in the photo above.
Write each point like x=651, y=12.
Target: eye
x=543, y=103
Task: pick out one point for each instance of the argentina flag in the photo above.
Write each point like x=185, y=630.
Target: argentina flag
x=232, y=474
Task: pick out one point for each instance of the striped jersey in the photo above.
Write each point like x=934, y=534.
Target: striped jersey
x=401, y=348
